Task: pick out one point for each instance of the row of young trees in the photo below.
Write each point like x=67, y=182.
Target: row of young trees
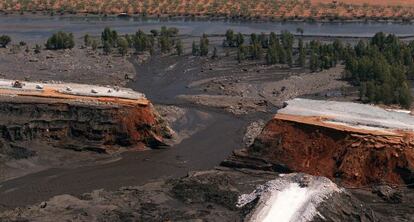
x=165, y=39
x=280, y=50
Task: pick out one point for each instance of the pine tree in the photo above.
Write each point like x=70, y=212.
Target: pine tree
x=195, y=49
x=179, y=47
x=314, y=62
x=239, y=40
x=302, y=54
x=271, y=56
x=122, y=46
x=107, y=48
x=230, y=38
x=204, y=42
x=87, y=40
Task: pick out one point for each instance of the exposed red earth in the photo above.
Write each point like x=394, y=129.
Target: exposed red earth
x=354, y=155
x=105, y=118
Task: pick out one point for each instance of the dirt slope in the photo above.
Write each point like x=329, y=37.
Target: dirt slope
x=342, y=146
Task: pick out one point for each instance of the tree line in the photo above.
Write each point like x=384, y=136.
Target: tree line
x=381, y=67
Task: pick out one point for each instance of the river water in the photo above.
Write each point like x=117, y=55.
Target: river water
x=36, y=28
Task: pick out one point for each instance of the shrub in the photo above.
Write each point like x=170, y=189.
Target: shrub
x=4, y=40
x=204, y=42
x=109, y=36
x=107, y=48
x=37, y=49
x=60, y=40
x=122, y=46
x=179, y=47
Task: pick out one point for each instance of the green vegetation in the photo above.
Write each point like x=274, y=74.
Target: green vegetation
x=195, y=49
x=122, y=46
x=109, y=36
x=87, y=40
x=179, y=47
x=4, y=40
x=301, y=61
x=142, y=42
x=107, y=49
x=165, y=38
x=60, y=40
x=233, y=40
x=380, y=68
x=204, y=42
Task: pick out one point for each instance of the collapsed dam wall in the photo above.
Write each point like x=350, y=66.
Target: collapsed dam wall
x=353, y=144
x=79, y=117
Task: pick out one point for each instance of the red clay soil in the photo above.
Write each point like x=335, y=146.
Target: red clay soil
x=103, y=124
x=141, y=125
x=351, y=158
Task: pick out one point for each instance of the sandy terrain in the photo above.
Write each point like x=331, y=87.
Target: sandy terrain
x=260, y=88
x=76, y=65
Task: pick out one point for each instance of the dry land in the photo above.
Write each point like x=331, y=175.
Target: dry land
x=259, y=9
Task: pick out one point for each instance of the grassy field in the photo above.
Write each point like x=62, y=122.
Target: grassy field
x=288, y=9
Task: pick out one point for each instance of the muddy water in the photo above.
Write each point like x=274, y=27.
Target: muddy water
x=204, y=150
x=217, y=135
x=37, y=28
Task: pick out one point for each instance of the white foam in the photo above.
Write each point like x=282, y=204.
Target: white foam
x=284, y=200
x=282, y=206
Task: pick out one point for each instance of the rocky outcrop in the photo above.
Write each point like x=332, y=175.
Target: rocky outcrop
x=201, y=196
x=353, y=144
x=79, y=121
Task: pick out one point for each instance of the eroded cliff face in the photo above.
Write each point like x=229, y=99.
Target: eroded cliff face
x=353, y=155
x=78, y=117
x=81, y=126
x=354, y=159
